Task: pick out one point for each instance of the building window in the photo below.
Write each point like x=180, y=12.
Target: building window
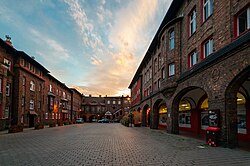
x=1, y=83
x=64, y=95
x=156, y=65
x=192, y=22
x=159, y=83
x=46, y=116
x=108, y=102
x=171, y=69
x=53, y=115
x=163, y=75
x=23, y=101
x=207, y=9
x=8, y=89
x=50, y=88
x=22, y=62
x=59, y=116
x=31, y=104
x=51, y=101
x=39, y=105
x=150, y=72
x=192, y=59
x=207, y=48
x=6, y=112
x=243, y=21
x=24, y=81
x=7, y=63
x=32, y=86
x=119, y=102
x=159, y=61
x=56, y=115
x=40, y=87
x=171, y=40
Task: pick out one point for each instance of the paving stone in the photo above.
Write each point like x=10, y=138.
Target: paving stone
x=111, y=145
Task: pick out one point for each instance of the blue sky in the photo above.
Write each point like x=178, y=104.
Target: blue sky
x=94, y=46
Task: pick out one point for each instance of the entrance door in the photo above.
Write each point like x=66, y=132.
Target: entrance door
x=31, y=120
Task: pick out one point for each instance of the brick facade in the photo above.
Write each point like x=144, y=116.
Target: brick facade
x=211, y=71
x=29, y=95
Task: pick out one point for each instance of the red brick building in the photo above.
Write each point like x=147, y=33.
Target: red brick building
x=104, y=107
x=198, y=63
x=29, y=95
x=6, y=82
x=76, y=102
x=58, y=101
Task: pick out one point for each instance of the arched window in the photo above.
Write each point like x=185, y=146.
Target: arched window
x=32, y=86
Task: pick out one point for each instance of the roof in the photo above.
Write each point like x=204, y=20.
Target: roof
x=170, y=15
x=217, y=56
x=31, y=60
x=73, y=89
x=59, y=82
x=7, y=47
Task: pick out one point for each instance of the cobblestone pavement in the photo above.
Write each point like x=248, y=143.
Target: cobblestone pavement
x=111, y=144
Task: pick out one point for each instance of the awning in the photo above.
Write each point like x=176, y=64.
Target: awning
x=33, y=113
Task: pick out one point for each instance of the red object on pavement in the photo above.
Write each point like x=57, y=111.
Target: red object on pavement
x=213, y=128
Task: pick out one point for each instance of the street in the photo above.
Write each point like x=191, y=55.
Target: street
x=111, y=144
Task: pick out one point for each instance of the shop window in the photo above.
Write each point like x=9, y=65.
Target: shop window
x=163, y=115
x=32, y=86
x=192, y=59
x=241, y=113
x=207, y=9
x=204, y=114
x=243, y=21
x=171, y=69
x=184, y=114
x=207, y=48
x=171, y=40
x=192, y=22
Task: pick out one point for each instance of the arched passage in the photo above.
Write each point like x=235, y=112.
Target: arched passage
x=145, y=116
x=237, y=108
x=158, y=114
x=190, y=111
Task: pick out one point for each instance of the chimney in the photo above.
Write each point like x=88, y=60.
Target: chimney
x=8, y=38
x=100, y=95
x=89, y=95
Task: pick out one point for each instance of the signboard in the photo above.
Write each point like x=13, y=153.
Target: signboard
x=214, y=117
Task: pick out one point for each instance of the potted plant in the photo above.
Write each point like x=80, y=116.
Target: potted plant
x=16, y=128
x=39, y=126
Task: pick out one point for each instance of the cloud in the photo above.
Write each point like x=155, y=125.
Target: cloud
x=53, y=50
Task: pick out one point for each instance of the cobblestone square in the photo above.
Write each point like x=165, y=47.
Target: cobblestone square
x=110, y=144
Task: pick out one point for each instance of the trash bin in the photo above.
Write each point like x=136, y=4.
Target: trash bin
x=212, y=136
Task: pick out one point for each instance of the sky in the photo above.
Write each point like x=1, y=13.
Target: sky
x=94, y=46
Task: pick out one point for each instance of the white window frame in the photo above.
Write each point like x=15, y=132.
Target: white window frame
x=32, y=85
x=193, y=59
x=171, y=69
x=207, y=4
x=7, y=62
x=171, y=40
x=248, y=21
x=208, y=48
x=8, y=89
x=50, y=88
x=108, y=102
x=32, y=104
x=192, y=24
x=119, y=102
